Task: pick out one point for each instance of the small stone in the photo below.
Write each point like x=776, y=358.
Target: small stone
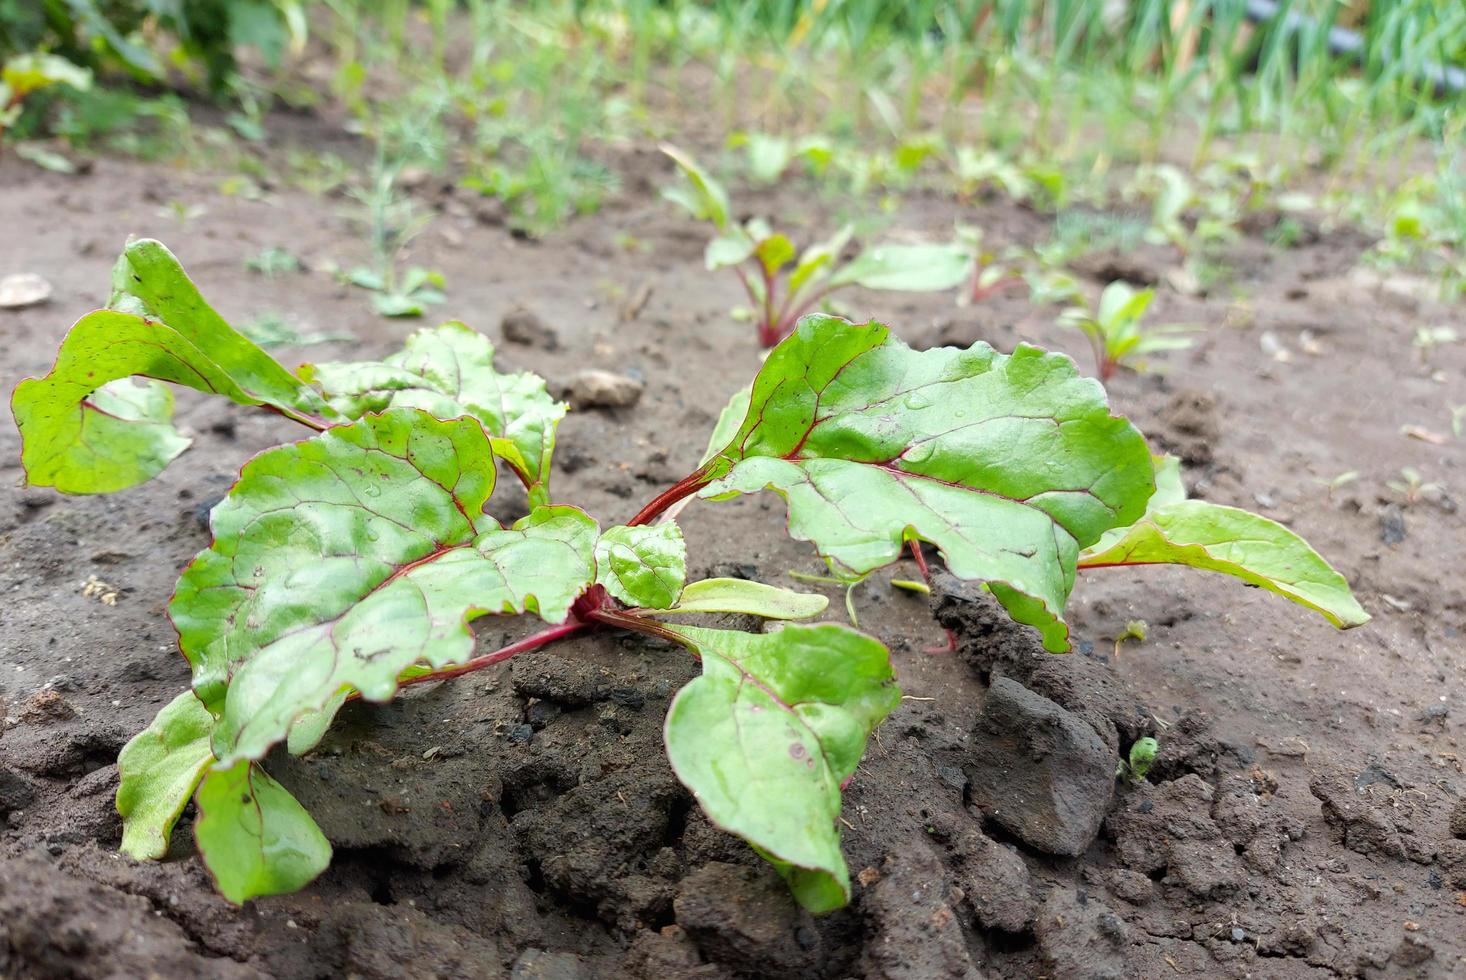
x=594, y=388
x=915, y=934
x=746, y=919
x=46, y=706
x=524, y=326
x=1458, y=820
x=1040, y=771
x=1435, y=714
x=1452, y=858
x=1131, y=886
x=996, y=884
x=23, y=289
x=1412, y=951
x=16, y=792
x=1392, y=528
x=955, y=778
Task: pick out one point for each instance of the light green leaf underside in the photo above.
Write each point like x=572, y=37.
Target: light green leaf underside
x=255, y=838
x=767, y=734
x=308, y=730
x=643, y=566
x=342, y=560
x=1234, y=542
x=911, y=268
x=448, y=371
x=160, y=768
x=1168, y=490
x=85, y=430
x=1009, y=464
x=736, y=595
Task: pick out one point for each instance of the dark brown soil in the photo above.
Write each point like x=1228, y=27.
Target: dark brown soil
x=523, y=821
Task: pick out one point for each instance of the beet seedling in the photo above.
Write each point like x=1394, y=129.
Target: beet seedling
x=350, y=564
x=782, y=283
x=1115, y=331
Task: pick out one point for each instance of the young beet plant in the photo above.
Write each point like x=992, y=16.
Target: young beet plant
x=350, y=564
x=1116, y=332
x=782, y=283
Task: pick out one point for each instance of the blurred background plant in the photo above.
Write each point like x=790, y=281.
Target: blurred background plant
x=1189, y=115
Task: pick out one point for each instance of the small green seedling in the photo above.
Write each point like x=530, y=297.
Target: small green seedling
x=1115, y=331
x=391, y=223
x=1142, y=756
x=1413, y=487
x=1342, y=480
x=405, y=292
x=272, y=262
x=1170, y=193
x=991, y=271
x=349, y=564
x=783, y=283
x=1427, y=339
x=1135, y=629
x=270, y=329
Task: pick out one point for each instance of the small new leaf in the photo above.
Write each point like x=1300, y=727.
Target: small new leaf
x=160, y=768
x=769, y=732
x=448, y=371
x=643, y=566
x=913, y=268
x=342, y=560
x=736, y=595
x=255, y=838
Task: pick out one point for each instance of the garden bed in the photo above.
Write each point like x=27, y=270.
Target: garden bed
x=524, y=821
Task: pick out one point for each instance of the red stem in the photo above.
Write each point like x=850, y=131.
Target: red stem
x=637, y=624
x=767, y=329
x=531, y=642
x=786, y=322
x=305, y=420
x=926, y=573
x=688, y=485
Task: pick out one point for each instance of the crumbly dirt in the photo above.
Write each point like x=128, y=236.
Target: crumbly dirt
x=523, y=822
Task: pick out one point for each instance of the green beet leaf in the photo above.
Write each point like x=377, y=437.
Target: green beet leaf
x=736, y=595
x=160, y=768
x=84, y=430
x=1260, y=552
x=255, y=838
x=769, y=732
x=643, y=566
x=912, y=268
x=342, y=560
x=1009, y=464
x=420, y=616
x=449, y=371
